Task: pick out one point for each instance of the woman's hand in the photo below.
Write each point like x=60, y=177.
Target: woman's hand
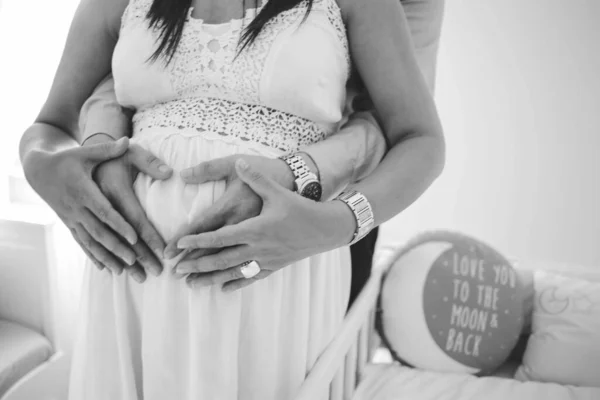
x=115, y=179
x=237, y=204
x=288, y=229
x=64, y=180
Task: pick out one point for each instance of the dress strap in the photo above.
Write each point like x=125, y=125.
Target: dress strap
x=334, y=14
x=135, y=10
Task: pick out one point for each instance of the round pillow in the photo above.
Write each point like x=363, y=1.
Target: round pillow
x=451, y=303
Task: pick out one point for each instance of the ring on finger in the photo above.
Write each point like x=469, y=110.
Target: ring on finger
x=249, y=269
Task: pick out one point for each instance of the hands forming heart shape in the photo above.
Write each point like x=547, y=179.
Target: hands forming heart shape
x=257, y=218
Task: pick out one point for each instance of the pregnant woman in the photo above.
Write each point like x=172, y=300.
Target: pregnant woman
x=209, y=79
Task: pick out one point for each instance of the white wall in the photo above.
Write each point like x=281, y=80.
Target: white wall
x=32, y=36
x=519, y=95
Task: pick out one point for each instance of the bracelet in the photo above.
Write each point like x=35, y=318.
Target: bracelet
x=94, y=134
x=363, y=212
x=316, y=172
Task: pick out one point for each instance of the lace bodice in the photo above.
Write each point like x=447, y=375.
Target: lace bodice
x=285, y=90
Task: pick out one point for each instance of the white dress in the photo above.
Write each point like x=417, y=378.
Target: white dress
x=161, y=340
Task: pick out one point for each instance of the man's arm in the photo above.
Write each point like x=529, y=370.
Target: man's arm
x=355, y=151
x=359, y=146
x=348, y=155
x=102, y=113
x=355, y=146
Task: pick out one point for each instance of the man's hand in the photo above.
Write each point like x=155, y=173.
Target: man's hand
x=64, y=180
x=288, y=229
x=237, y=204
x=115, y=179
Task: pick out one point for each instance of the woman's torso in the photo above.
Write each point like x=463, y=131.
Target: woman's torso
x=162, y=340
x=286, y=90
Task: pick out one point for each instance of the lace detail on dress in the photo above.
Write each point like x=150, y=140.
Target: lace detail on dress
x=135, y=11
x=205, y=61
x=229, y=119
x=252, y=60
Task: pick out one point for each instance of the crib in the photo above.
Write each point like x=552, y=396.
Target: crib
x=342, y=363
x=348, y=359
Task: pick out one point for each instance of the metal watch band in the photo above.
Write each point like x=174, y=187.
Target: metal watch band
x=305, y=181
x=298, y=166
x=363, y=213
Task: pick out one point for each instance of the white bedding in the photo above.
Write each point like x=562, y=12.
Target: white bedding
x=395, y=382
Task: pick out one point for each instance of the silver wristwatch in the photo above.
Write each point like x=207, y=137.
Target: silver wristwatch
x=363, y=213
x=306, y=182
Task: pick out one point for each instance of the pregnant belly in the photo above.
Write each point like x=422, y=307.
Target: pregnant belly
x=172, y=205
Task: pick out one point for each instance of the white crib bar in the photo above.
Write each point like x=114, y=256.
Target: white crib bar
x=350, y=369
x=342, y=363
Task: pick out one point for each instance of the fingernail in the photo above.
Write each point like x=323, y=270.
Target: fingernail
x=170, y=253
x=155, y=270
x=227, y=288
x=158, y=252
x=164, y=169
x=129, y=259
x=190, y=283
x=198, y=283
x=184, y=270
x=242, y=164
x=186, y=267
x=139, y=278
x=183, y=244
x=132, y=238
x=178, y=275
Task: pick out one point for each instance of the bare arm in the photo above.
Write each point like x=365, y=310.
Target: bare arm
x=85, y=62
x=348, y=155
x=379, y=30
x=60, y=170
x=102, y=113
x=355, y=151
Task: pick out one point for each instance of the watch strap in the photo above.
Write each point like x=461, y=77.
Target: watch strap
x=297, y=165
x=363, y=212
x=306, y=183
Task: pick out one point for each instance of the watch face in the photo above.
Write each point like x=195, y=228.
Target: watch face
x=312, y=190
